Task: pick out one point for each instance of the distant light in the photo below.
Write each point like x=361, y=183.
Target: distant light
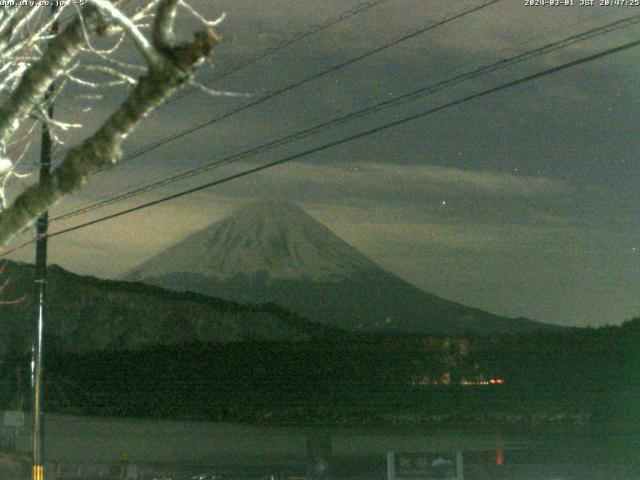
x=499, y=451
x=443, y=203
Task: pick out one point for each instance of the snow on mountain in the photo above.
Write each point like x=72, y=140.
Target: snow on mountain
x=274, y=252
x=273, y=240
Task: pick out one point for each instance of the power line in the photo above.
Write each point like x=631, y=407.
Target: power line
x=293, y=39
x=423, y=91
x=306, y=80
x=290, y=87
x=360, y=8
x=483, y=93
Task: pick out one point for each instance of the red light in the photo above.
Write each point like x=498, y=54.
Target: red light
x=500, y=380
x=499, y=452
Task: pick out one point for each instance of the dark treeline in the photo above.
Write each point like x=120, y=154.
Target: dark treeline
x=578, y=377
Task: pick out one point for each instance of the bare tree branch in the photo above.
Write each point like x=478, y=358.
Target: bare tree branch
x=178, y=65
x=163, y=36
x=146, y=49
x=4, y=285
x=38, y=78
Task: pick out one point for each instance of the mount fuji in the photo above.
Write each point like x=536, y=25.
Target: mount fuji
x=274, y=252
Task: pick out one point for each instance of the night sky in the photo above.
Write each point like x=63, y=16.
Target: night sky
x=523, y=203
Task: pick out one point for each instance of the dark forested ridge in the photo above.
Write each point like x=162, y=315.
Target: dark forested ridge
x=86, y=313
x=128, y=349
x=572, y=379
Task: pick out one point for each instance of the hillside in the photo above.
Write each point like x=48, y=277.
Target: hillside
x=87, y=314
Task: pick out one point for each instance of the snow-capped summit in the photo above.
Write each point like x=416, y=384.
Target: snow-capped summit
x=273, y=240
x=275, y=252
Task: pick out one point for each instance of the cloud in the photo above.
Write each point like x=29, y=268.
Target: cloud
x=488, y=182
x=388, y=178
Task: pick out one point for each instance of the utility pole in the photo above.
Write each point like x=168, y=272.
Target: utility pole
x=42, y=225
x=41, y=291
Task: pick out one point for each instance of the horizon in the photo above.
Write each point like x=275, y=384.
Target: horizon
x=520, y=203
x=246, y=205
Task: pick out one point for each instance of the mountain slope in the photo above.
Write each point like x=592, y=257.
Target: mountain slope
x=87, y=314
x=272, y=240
x=275, y=252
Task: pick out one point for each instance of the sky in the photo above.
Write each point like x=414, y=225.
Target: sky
x=523, y=202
